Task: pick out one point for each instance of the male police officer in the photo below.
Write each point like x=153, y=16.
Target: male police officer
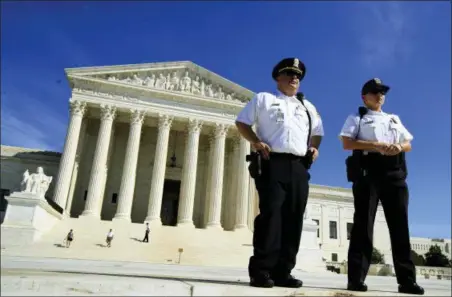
x=379, y=141
x=282, y=127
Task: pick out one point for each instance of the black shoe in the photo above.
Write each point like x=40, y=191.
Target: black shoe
x=411, y=288
x=261, y=281
x=358, y=287
x=288, y=282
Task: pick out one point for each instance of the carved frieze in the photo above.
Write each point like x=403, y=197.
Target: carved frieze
x=181, y=80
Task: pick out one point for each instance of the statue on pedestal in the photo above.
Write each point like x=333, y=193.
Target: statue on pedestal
x=36, y=183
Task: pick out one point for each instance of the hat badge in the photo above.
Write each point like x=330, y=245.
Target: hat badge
x=377, y=80
x=296, y=62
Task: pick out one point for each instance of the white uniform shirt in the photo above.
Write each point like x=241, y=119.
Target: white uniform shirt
x=110, y=234
x=376, y=126
x=281, y=121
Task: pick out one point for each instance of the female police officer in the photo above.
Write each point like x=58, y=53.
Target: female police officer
x=379, y=141
x=283, y=125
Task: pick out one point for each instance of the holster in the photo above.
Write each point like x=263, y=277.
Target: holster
x=307, y=160
x=255, y=167
x=353, y=166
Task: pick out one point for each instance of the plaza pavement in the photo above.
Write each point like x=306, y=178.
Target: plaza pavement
x=33, y=276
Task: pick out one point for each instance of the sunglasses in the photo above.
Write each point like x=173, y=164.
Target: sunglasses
x=376, y=92
x=291, y=73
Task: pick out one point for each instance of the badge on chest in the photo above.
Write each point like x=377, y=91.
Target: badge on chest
x=279, y=116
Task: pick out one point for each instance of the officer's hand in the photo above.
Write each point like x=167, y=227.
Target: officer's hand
x=393, y=150
x=263, y=148
x=315, y=153
x=382, y=147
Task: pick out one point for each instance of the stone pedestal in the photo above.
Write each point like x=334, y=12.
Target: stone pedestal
x=309, y=257
x=27, y=218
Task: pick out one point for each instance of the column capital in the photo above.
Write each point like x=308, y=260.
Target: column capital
x=77, y=107
x=137, y=116
x=107, y=112
x=165, y=121
x=194, y=125
x=220, y=130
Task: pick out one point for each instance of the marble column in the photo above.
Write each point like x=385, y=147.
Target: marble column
x=129, y=170
x=189, y=170
x=77, y=110
x=158, y=170
x=242, y=184
x=74, y=177
x=97, y=179
x=216, y=173
x=208, y=169
x=72, y=186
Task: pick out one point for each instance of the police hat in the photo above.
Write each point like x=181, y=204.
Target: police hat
x=374, y=86
x=289, y=64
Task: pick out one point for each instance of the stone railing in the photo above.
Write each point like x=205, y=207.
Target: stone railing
x=388, y=270
x=434, y=272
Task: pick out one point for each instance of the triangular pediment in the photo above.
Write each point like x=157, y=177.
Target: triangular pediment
x=180, y=77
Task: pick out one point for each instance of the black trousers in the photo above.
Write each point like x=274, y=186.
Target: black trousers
x=146, y=237
x=391, y=189
x=283, y=193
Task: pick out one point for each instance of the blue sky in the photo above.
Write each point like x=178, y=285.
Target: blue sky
x=343, y=44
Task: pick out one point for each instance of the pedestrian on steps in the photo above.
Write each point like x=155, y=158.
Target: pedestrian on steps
x=69, y=238
x=110, y=235
x=146, y=234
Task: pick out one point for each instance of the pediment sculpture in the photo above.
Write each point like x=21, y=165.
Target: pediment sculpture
x=36, y=183
x=177, y=81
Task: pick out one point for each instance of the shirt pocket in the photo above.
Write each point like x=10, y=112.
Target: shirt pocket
x=396, y=132
x=301, y=119
x=370, y=131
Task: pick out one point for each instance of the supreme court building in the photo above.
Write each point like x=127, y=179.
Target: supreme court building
x=157, y=143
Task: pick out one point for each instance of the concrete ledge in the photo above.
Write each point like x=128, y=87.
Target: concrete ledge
x=52, y=276
x=34, y=283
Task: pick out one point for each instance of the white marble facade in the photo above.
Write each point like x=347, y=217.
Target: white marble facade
x=157, y=143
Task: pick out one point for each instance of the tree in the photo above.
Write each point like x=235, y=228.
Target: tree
x=435, y=258
x=417, y=259
x=377, y=257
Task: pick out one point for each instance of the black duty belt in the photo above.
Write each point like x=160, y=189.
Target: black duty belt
x=382, y=162
x=284, y=156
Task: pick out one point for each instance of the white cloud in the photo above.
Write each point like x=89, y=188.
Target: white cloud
x=383, y=31
x=28, y=122
x=17, y=132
